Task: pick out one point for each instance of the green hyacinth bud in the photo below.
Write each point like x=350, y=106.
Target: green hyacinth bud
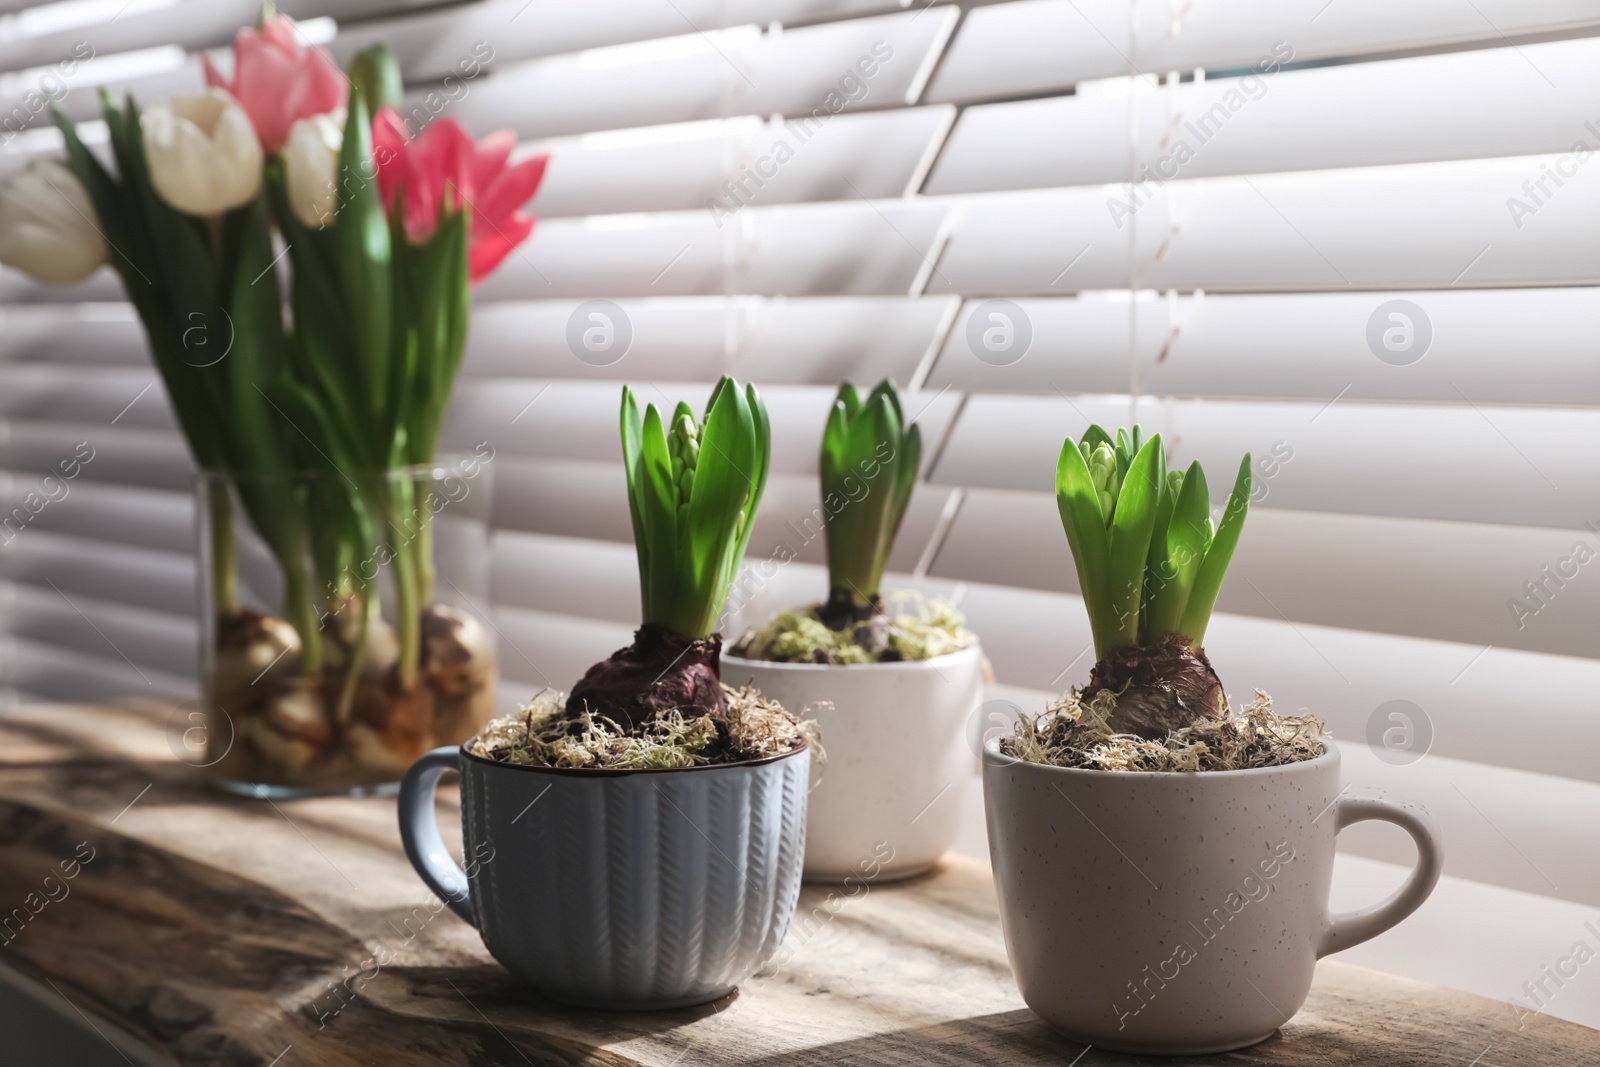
x=1107, y=482
x=1103, y=467
x=1174, y=482
x=683, y=443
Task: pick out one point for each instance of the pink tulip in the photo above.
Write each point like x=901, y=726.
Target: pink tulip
x=443, y=169
x=278, y=81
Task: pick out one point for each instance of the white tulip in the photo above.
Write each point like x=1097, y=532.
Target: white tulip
x=48, y=225
x=311, y=167
x=202, y=151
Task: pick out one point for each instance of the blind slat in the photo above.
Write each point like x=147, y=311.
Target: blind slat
x=1428, y=225
x=433, y=45
x=57, y=394
x=1049, y=45
x=805, y=341
x=83, y=507
x=736, y=71
x=852, y=248
x=1529, y=100
x=1307, y=346
x=191, y=24
x=152, y=459
x=538, y=650
x=159, y=581
x=872, y=154
x=151, y=640
x=1462, y=463
x=68, y=676
x=56, y=334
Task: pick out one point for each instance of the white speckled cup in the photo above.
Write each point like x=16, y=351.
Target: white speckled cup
x=1179, y=913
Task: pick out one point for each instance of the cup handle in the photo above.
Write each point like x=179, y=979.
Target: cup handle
x=419, y=830
x=1351, y=928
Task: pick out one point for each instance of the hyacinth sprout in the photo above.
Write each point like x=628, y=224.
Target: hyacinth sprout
x=1150, y=563
x=693, y=490
x=868, y=466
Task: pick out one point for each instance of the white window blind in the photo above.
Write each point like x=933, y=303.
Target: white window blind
x=1201, y=212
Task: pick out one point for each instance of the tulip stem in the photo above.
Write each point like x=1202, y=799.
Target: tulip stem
x=408, y=621
x=300, y=608
x=425, y=569
x=214, y=231
x=224, y=575
x=358, y=660
x=407, y=581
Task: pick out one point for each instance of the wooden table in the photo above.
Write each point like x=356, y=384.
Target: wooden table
x=230, y=932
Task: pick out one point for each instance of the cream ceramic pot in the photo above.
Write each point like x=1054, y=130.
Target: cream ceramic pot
x=898, y=768
x=1179, y=913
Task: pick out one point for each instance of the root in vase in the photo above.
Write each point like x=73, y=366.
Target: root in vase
x=287, y=728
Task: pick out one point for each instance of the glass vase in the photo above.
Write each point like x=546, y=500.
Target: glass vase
x=343, y=628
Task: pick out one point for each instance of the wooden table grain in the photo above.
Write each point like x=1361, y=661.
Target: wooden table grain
x=236, y=933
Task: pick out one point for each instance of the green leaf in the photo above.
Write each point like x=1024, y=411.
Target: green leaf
x=723, y=482
x=324, y=350
x=257, y=359
x=886, y=390
x=1088, y=538
x=365, y=265
x=909, y=466
x=877, y=430
x=117, y=207
x=263, y=437
x=172, y=261
x=1185, y=544
x=300, y=406
x=691, y=532
x=1208, y=583
x=1131, y=527
x=376, y=74
x=851, y=401
x=763, y=441
x=436, y=281
x=632, y=445
x=867, y=471
x=1094, y=437
x=657, y=501
x=1156, y=568
x=835, y=445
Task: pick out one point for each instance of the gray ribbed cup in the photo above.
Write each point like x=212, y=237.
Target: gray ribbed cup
x=619, y=889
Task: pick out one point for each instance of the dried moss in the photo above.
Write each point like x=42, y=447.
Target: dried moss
x=1073, y=733
x=912, y=628
x=545, y=733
